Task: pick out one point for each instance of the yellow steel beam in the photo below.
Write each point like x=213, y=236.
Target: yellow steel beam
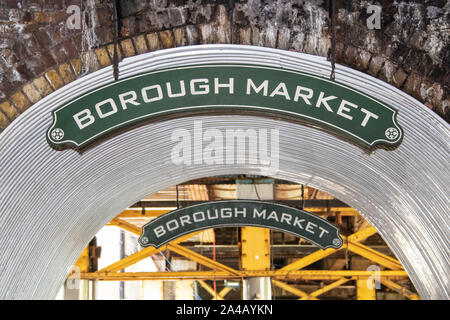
x=131, y=259
x=223, y=293
x=329, y=287
x=363, y=291
x=138, y=256
x=374, y=256
x=362, y=235
x=216, y=295
x=171, y=246
x=255, y=248
x=320, y=254
x=399, y=289
x=151, y=213
x=194, y=256
x=138, y=213
x=221, y=275
x=291, y=289
x=83, y=260
x=126, y=226
x=210, y=290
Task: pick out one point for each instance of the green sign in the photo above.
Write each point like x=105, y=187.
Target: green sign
x=314, y=100
x=234, y=213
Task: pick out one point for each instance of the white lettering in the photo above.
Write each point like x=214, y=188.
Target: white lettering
x=174, y=224
x=226, y=212
x=308, y=227
x=367, y=117
x=159, y=231
x=243, y=212
x=124, y=100
x=263, y=86
x=204, y=87
x=218, y=85
x=106, y=102
x=323, y=231
x=257, y=214
x=342, y=107
x=156, y=87
x=199, y=214
x=281, y=90
x=305, y=97
x=84, y=121
x=324, y=101
x=182, y=92
x=185, y=220
x=286, y=218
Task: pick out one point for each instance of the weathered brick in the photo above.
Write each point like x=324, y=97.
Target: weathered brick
x=127, y=48
x=207, y=33
x=49, y=17
x=42, y=86
x=111, y=52
x=31, y=92
x=399, y=77
x=362, y=60
x=192, y=37
x=43, y=38
x=103, y=57
x=222, y=15
x=77, y=66
x=66, y=73
x=387, y=71
x=128, y=26
x=54, y=79
x=166, y=39
x=58, y=53
x=90, y=61
x=140, y=44
x=245, y=35
x=71, y=51
x=222, y=34
x=104, y=34
x=153, y=41
x=375, y=65
x=257, y=37
x=179, y=37
x=350, y=55
x=9, y=110
x=20, y=101
x=4, y=122
x=412, y=86
x=284, y=36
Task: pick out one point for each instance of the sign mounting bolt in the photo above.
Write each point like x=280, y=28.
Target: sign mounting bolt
x=57, y=134
x=391, y=133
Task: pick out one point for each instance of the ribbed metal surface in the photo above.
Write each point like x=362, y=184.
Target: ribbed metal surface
x=52, y=203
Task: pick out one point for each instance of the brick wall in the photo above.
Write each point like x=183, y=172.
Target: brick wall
x=39, y=53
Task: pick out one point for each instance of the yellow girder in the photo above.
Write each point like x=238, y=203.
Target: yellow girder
x=329, y=287
x=221, y=275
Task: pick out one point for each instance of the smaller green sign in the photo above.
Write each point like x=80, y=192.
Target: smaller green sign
x=234, y=213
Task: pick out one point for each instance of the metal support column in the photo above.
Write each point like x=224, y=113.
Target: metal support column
x=255, y=243
x=365, y=289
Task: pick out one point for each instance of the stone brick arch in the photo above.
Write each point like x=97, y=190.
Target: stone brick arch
x=40, y=54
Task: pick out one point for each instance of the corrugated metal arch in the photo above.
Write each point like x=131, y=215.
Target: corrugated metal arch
x=52, y=203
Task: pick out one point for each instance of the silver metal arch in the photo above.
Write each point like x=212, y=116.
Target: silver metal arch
x=52, y=203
